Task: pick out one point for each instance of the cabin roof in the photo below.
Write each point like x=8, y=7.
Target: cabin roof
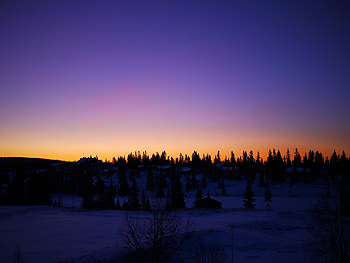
x=206, y=199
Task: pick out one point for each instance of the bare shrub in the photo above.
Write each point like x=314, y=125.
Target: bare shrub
x=328, y=230
x=156, y=236
x=208, y=252
x=17, y=254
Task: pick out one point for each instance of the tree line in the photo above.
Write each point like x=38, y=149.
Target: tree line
x=26, y=181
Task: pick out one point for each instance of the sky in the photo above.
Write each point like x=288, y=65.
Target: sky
x=106, y=78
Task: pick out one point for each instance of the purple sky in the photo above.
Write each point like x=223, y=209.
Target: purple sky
x=107, y=78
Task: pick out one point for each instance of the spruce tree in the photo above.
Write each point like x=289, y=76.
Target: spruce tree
x=177, y=195
x=223, y=191
x=88, y=192
x=117, y=206
x=248, y=199
x=145, y=203
x=133, y=200
x=268, y=196
x=123, y=188
x=199, y=194
x=147, y=206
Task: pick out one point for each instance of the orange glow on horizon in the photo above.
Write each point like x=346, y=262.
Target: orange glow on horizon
x=74, y=156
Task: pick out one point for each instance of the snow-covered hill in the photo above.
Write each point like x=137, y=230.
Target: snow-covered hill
x=275, y=234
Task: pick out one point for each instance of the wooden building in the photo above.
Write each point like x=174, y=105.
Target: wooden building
x=207, y=203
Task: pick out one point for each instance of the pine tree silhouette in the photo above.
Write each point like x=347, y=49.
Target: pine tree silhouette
x=145, y=203
x=199, y=194
x=177, y=195
x=124, y=187
x=133, y=200
x=117, y=206
x=248, y=199
x=268, y=196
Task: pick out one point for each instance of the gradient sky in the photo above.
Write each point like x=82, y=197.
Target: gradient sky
x=106, y=78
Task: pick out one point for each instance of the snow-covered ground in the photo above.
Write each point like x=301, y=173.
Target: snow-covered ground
x=275, y=234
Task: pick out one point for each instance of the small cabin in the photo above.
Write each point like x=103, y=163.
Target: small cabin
x=208, y=203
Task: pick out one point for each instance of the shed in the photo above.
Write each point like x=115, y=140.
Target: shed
x=207, y=202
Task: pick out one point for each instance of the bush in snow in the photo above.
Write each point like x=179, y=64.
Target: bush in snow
x=208, y=252
x=17, y=254
x=156, y=236
x=328, y=230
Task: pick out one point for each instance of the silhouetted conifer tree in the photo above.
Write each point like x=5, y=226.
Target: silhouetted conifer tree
x=106, y=200
x=297, y=159
x=268, y=196
x=251, y=165
x=233, y=159
x=217, y=158
x=124, y=187
x=223, y=191
x=199, y=194
x=311, y=158
x=248, y=197
x=133, y=200
x=344, y=166
x=117, y=206
x=319, y=163
x=163, y=158
x=155, y=159
x=288, y=161
x=177, y=196
x=258, y=164
x=275, y=167
x=244, y=164
x=334, y=164
x=196, y=160
x=147, y=206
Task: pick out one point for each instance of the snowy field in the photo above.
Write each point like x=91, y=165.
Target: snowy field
x=50, y=234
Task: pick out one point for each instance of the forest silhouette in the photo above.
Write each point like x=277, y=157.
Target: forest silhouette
x=32, y=181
